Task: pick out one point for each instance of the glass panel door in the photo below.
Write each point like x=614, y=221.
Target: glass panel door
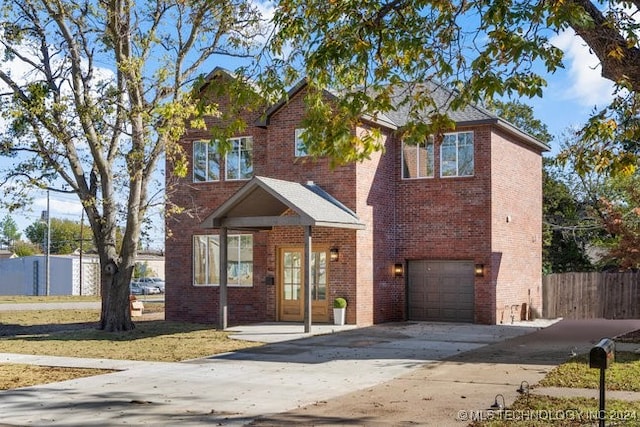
x=291, y=285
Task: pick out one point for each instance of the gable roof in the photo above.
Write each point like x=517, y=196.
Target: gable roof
x=263, y=202
x=469, y=115
x=379, y=119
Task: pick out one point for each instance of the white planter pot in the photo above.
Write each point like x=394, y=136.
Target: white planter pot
x=339, y=316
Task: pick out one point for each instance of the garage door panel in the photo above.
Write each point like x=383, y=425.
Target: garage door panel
x=441, y=290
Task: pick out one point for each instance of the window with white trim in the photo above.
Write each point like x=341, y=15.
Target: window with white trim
x=417, y=159
x=206, y=260
x=300, y=149
x=239, y=159
x=456, y=155
x=206, y=161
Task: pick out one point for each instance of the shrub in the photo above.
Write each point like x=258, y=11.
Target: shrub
x=340, y=303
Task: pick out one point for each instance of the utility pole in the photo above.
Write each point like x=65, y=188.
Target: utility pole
x=48, y=259
x=81, y=243
x=45, y=219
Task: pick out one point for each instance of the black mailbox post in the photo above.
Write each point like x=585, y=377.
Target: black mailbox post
x=601, y=357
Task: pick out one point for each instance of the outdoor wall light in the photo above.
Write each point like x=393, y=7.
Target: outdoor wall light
x=524, y=388
x=334, y=254
x=496, y=404
x=479, y=270
x=398, y=270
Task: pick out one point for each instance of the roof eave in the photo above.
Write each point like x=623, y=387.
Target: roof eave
x=508, y=127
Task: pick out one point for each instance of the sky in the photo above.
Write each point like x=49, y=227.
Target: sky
x=571, y=95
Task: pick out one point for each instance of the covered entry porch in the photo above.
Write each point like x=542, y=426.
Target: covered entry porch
x=264, y=203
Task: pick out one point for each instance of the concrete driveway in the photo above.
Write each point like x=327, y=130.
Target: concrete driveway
x=235, y=388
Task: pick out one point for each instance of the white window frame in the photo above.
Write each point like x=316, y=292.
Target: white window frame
x=428, y=141
x=210, y=147
x=299, y=149
x=215, y=239
x=458, y=147
x=238, y=151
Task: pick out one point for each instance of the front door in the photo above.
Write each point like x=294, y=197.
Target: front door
x=291, y=285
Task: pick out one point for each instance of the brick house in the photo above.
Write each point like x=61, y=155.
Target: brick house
x=448, y=230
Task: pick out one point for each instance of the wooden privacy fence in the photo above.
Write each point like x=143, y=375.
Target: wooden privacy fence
x=591, y=295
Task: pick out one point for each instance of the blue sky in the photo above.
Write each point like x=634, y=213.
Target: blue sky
x=572, y=92
x=571, y=95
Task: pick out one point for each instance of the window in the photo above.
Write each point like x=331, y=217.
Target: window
x=206, y=260
x=417, y=159
x=319, y=276
x=456, y=154
x=292, y=275
x=300, y=149
x=239, y=159
x=206, y=161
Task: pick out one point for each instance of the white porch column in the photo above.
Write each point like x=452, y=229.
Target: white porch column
x=222, y=320
x=307, y=279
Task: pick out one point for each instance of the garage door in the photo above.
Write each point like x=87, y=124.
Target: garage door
x=440, y=290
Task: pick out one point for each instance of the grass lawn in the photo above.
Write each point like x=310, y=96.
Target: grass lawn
x=19, y=299
x=538, y=411
x=152, y=340
x=623, y=374
x=543, y=411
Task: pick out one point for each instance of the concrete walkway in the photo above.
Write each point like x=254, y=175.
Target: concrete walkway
x=271, y=383
x=453, y=391
x=235, y=388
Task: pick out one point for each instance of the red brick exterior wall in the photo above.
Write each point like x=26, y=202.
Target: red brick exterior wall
x=516, y=232
x=435, y=218
x=446, y=218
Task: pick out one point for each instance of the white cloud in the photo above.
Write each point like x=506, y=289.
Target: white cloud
x=267, y=8
x=67, y=209
x=588, y=87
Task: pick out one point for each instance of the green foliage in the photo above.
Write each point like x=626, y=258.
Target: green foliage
x=142, y=269
x=366, y=54
x=569, y=226
x=521, y=116
x=8, y=232
x=611, y=198
x=65, y=235
x=611, y=139
x=369, y=54
x=25, y=249
x=339, y=303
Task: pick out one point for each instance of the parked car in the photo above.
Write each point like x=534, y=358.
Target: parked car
x=152, y=281
x=144, y=288
x=135, y=289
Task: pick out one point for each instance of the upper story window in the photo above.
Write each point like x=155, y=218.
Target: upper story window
x=456, y=154
x=206, y=161
x=417, y=159
x=300, y=149
x=239, y=160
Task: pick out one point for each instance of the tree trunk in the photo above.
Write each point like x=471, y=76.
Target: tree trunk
x=116, y=315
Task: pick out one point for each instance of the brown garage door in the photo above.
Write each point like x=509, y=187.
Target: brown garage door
x=441, y=290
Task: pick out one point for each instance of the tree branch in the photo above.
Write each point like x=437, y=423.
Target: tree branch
x=620, y=61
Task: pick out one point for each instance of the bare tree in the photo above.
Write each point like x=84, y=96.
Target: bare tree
x=95, y=92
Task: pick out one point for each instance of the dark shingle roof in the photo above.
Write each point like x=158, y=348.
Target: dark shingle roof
x=442, y=98
x=469, y=115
